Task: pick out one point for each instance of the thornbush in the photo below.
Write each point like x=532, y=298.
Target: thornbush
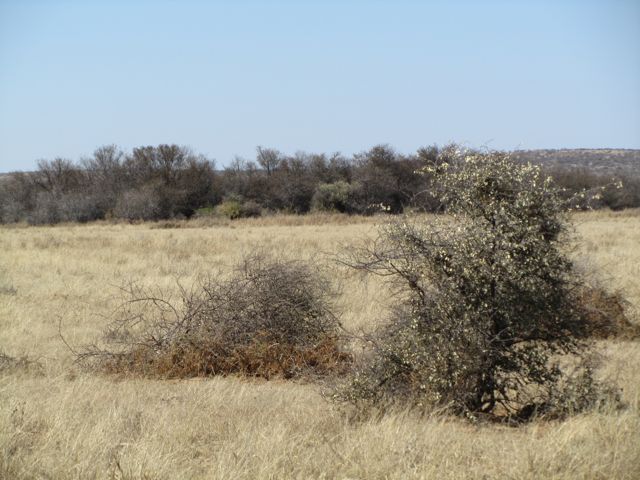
x=142, y=204
x=271, y=318
x=488, y=296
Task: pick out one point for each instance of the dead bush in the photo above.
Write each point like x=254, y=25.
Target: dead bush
x=605, y=315
x=270, y=318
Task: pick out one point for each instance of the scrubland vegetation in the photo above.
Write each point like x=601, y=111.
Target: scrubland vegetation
x=488, y=319
x=170, y=181
x=59, y=420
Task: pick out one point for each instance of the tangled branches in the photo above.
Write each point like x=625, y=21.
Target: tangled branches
x=271, y=318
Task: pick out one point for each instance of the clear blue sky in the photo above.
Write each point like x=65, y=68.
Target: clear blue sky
x=225, y=76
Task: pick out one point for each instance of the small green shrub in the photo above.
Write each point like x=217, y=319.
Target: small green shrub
x=234, y=208
x=231, y=209
x=333, y=197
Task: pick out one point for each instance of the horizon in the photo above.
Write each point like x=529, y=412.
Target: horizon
x=224, y=77
x=220, y=168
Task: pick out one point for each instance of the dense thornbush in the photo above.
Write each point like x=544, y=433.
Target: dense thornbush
x=168, y=181
x=270, y=318
x=488, y=298
x=150, y=183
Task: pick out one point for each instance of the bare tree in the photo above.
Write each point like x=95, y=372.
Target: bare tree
x=268, y=158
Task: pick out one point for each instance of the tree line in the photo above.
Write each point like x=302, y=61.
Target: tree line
x=171, y=181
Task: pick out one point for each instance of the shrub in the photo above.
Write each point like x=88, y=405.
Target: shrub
x=231, y=209
x=207, y=211
x=488, y=297
x=576, y=391
x=332, y=197
x=251, y=209
x=604, y=314
x=46, y=211
x=269, y=319
x=17, y=197
x=234, y=208
x=143, y=204
x=11, y=211
x=80, y=207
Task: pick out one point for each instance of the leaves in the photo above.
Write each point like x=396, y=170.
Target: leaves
x=486, y=292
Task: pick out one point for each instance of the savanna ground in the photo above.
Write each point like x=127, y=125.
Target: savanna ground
x=58, y=421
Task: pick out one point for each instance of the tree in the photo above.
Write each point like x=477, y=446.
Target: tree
x=58, y=176
x=292, y=184
x=488, y=296
x=176, y=180
x=106, y=175
x=386, y=179
x=333, y=197
x=268, y=158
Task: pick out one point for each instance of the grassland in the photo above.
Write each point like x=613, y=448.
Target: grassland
x=57, y=421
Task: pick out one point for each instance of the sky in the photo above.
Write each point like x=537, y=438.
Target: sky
x=223, y=77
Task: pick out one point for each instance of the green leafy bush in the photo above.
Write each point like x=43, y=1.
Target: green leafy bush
x=333, y=197
x=231, y=209
x=234, y=208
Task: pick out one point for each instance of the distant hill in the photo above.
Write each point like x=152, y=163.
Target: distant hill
x=606, y=161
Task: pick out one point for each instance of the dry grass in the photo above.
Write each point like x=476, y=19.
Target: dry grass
x=60, y=422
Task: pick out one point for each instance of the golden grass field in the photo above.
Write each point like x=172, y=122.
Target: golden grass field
x=59, y=422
